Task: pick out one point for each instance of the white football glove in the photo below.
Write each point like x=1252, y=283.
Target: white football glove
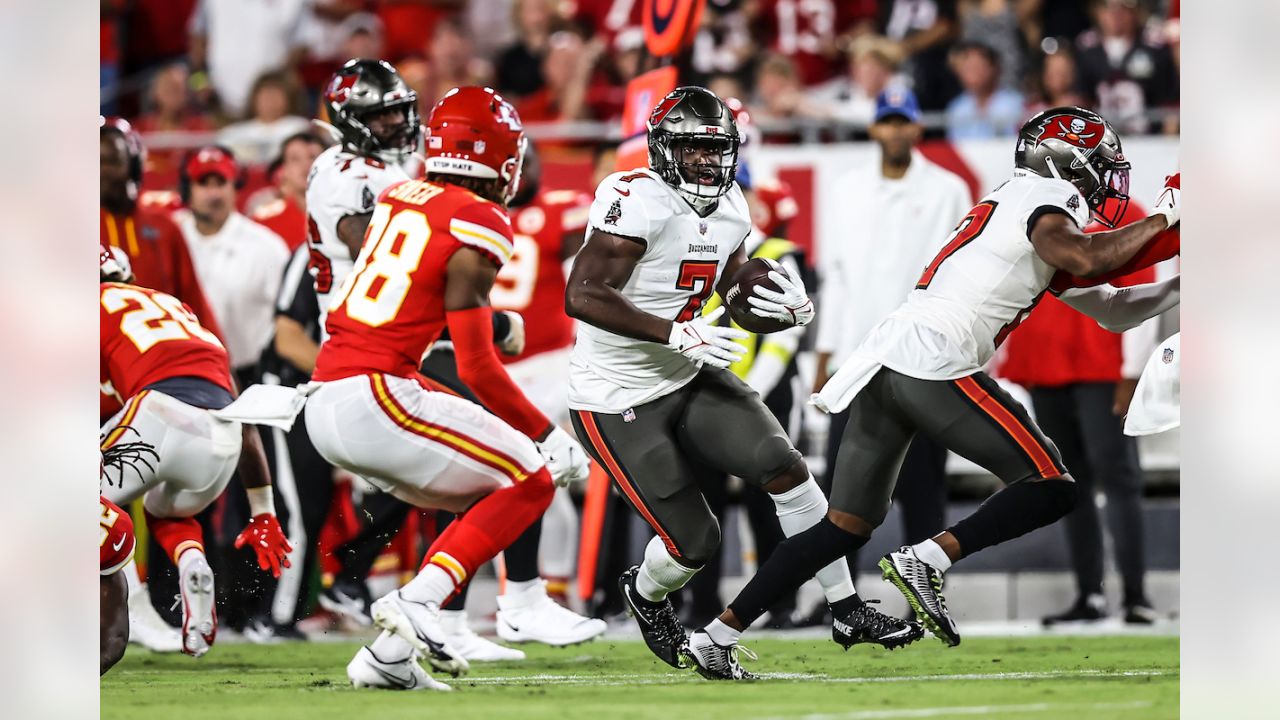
x=702, y=341
x=1169, y=200
x=513, y=343
x=566, y=460
x=791, y=305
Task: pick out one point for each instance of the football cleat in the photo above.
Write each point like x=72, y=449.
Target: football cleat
x=470, y=645
x=717, y=662
x=857, y=622
x=348, y=602
x=148, y=629
x=532, y=616
x=199, y=618
x=659, y=624
x=366, y=671
x=419, y=624
x=1141, y=614
x=921, y=584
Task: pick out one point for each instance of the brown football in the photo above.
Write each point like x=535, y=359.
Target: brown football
x=753, y=272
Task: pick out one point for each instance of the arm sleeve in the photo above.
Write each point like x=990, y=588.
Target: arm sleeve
x=1119, y=309
x=481, y=370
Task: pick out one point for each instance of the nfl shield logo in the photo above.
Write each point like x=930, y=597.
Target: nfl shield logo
x=629, y=415
x=1167, y=356
x=702, y=228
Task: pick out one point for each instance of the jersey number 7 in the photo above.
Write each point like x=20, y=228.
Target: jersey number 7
x=969, y=228
x=700, y=277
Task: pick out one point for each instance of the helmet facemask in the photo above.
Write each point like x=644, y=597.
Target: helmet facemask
x=398, y=145
x=701, y=168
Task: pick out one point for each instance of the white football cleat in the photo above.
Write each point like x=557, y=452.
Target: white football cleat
x=148, y=629
x=419, y=624
x=199, y=619
x=532, y=616
x=473, y=647
x=366, y=671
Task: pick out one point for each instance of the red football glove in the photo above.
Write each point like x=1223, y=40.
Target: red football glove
x=267, y=539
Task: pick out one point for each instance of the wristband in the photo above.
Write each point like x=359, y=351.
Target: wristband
x=261, y=501
x=501, y=327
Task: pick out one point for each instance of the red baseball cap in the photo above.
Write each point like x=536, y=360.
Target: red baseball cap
x=212, y=160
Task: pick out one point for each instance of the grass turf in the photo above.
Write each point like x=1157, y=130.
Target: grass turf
x=1038, y=677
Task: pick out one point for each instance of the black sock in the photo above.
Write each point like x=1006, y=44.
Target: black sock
x=793, y=562
x=1014, y=511
x=521, y=557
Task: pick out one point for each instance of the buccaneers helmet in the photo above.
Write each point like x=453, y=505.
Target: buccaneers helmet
x=363, y=88
x=694, y=116
x=1079, y=146
x=475, y=133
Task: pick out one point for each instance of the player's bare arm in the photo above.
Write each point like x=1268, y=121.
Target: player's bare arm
x=1059, y=242
x=295, y=345
x=593, y=296
x=735, y=261
x=351, y=231
x=113, y=636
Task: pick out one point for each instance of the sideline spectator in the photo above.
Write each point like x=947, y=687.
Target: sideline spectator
x=924, y=30
x=240, y=263
x=984, y=109
x=170, y=107
x=519, y=67
x=1056, y=82
x=450, y=62
x=724, y=44
x=873, y=66
x=811, y=34
x=996, y=24
x=902, y=201
x=282, y=207
x=779, y=94
x=410, y=24
x=567, y=70
x=236, y=41
x=1125, y=71
x=276, y=112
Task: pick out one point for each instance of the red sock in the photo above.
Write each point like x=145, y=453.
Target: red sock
x=489, y=526
x=176, y=535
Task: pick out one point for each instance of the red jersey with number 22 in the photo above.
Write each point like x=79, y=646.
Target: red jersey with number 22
x=148, y=336
x=533, y=282
x=391, y=307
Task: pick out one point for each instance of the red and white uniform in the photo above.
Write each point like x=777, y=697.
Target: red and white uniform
x=776, y=208
x=147, y=337
x=340, y=183
x=532, y=283
x=372, y=416
x=115, y=538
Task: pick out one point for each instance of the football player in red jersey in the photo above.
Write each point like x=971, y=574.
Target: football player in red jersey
x=172, y=374
x=154, y=245
x=549, y=228
x=115, y=549
x=429, y=260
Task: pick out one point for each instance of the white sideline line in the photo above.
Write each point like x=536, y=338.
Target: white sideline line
x=616, y=679
x=983, y=710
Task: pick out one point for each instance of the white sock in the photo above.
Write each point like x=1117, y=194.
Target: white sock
x=932, y=553
x=432, y=585
x=133, y=577
x=514, y=587
x=660, y=573
x=391, y=648
x=558, y=553
x=799, y=509
x=722, y=634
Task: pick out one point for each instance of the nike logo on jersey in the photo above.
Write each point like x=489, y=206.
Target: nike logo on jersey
x=623, y=193
x=115, y=547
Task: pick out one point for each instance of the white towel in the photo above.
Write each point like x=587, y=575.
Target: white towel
x=848, y=381
x=1157, y=402
x=274, y=405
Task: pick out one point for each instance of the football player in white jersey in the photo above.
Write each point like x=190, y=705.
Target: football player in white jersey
x=649, y=391
x=920, y=370
x=375, y=114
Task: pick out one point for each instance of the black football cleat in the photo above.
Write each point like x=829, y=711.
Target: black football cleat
x=659, y=624
x=854, y=622
x=1090, y=608
x=921, y=584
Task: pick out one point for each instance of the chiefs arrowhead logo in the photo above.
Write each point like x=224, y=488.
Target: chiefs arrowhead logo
x=339, y=91
x=1078, y=131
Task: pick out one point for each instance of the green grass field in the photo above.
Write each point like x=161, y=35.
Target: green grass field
x=1074, y=677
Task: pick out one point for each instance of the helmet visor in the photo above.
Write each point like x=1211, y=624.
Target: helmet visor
x=1115, y=195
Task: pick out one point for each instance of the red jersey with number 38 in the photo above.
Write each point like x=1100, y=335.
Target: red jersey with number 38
x=533, y=282
x=391, y=307
x=148, y=336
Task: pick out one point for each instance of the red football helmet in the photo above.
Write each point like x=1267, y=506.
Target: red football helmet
x=474, y=132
